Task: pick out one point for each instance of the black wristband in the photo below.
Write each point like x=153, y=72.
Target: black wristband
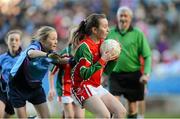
x=47, y=54
x=72, y=62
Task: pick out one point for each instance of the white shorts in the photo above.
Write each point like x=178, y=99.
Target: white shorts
x=90, y=91
x=65, y=99
x=100, y=91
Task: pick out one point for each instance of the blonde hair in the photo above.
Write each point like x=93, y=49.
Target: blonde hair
x=42, y=33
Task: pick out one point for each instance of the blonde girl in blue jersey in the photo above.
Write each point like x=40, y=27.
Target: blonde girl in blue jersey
x=30, y=69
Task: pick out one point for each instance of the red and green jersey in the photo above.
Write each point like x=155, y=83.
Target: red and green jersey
x=89, y=67
x=134, y=44
x=63, y=83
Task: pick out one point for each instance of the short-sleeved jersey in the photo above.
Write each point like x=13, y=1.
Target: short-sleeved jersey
x=63, y=83
x=134, y=44
x=34, y=69
x=89, y=66
x=7, y=61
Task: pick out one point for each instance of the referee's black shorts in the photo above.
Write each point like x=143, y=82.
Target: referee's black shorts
x=127, y=84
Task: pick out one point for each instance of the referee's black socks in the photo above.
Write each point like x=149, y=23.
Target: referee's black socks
x=132, y=116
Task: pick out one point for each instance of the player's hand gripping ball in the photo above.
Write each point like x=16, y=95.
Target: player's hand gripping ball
x=111, y=46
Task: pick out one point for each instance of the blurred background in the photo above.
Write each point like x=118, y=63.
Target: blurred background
x=158, y=19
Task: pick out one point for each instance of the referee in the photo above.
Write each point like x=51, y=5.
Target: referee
x=126, y=78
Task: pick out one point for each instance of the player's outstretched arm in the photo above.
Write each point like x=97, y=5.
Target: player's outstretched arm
x=57, y=59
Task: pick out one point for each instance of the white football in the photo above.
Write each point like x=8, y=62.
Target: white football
x=111, y=45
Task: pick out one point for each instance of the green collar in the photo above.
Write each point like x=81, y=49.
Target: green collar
x=123, y=32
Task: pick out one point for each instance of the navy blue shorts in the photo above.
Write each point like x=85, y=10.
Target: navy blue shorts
x=128, y=85
x=5, y=99
x=19, y=96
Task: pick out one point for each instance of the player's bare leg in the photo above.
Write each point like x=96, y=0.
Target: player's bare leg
x=78, y=111
x=68, y=110
x=43, y=110
x=95, y=105
x=2, y=109
x=114, y=106
x=21, y=112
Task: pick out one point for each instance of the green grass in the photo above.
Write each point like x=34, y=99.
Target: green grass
x=89, y=114
x=162, y=115
x=147, y=115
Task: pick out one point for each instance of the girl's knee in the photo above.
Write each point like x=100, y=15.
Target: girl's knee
x=121, y=112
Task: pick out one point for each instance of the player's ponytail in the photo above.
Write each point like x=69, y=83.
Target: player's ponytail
x=85, y=27
x=79, y=34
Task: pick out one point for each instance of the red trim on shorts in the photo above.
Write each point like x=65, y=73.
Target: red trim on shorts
x=74, y=93
x=87, y=90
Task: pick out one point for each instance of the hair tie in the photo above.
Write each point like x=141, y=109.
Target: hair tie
x=85, y=21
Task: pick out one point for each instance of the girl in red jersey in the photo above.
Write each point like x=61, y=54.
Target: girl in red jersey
x=64, y=82
x=87, y=73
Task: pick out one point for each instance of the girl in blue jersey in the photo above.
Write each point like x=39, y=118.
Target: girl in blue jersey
x=7, y=60
x=29, y=70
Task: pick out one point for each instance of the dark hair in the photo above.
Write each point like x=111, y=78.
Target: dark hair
x=85, y=27
x=15, y=31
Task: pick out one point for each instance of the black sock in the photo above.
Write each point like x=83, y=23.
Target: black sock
x=32, y=117
x=132, y=116
x=111, y=115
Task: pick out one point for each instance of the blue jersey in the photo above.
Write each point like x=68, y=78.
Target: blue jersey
x=7, y=61
x=33, y=69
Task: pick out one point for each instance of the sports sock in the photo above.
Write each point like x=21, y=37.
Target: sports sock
x=132, y=116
